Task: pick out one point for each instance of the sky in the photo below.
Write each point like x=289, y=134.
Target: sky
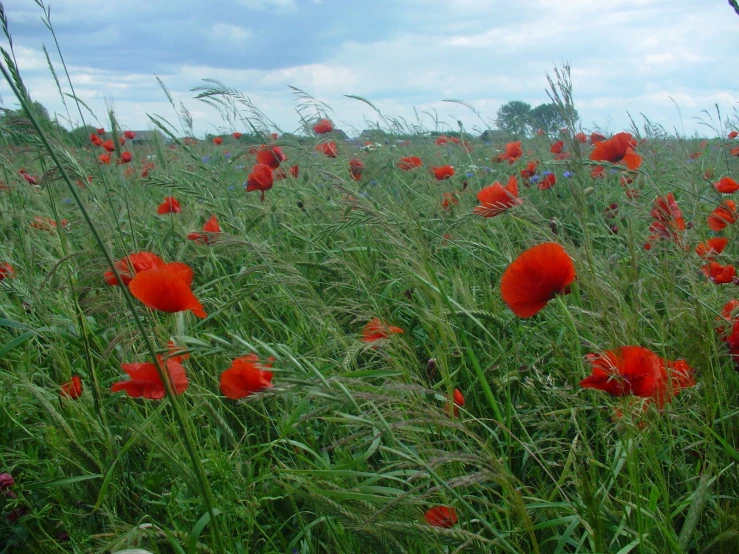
x=641, y=57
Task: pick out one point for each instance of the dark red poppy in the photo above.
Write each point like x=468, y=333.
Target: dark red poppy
x=376, y=330
x=328, y=149
x=719, y=274
x=271, y=156
x=96, y=140
x=6, y=481
x=726, y=185
x=6, y=271
x=236, y=135
x=46, y=224
x=598, y=172
x=210, y=229
x=619, y=148
x=441, y=516
x=443, y=172
x=245, y=377
x=145, y=381
x=723, y=215
x=547, y=181
x=125, y=158
x=170, y=206
x=323, y=126
x=145, y=169
x=100, y=131
x=260, y=178
x=217, y=141
x=596, y=137
x=294, y=171
x=409, y=162
x=130, y=135
x=356, y=168
x=535, y=277
x=530, y=169
x=104, y=159
x=581, y=137
x=132, y=264
x=711, y=248
x=496, y=199
x=557, y=147
x=513, y=152
x=734, y=151
x=109, y=146
x=71, y=389
x=167, y=289
x=733, y=134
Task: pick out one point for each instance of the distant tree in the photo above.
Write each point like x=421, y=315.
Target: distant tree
x=12, y=121
x=513, y=117
x=548, y=118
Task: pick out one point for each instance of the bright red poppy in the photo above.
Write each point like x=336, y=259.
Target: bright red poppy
x=356, y=168
x=100, y=131
x=132, y=264
x=409, y=162
x=170, y=206
x=125, y=158
x=557, y=147
x=130, y=135
x=723, y=215
x=441, y=516
x=271, y=156
x=376, y=330
x=236, y=135
x=513, y=152
x=719, y=274
x=443, y=172
x=448, y=199
x=453, y=408
x=6, y=271
x=245, y=377
x=210, y=229
x=96, y=140
x=734, y=151
x=217, y=141
x=711, y=248
x=496, y=199
x=726, y=185
x=323, y=126
x=619, y=148
x=530, y=169
x=104, y=159
x=328, y=149
x=535, y=277
x=109, y=146
x=733, y=134
x=547, y=181
x=260, y=178
x=167, y=289
x=630, y=370
x=145, y=381
x=71, y=389
x=668, y=220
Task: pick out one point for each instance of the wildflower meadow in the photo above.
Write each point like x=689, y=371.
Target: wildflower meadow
x=420, y=340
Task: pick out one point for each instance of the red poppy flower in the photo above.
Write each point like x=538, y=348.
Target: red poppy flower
x=441, y=139
x=294, y=171
x=100, y=131
x=443, y=172
x=619, y=148
x=71, y=389
x=513, y=152
x=271, y=156
x=598, y=172
x=596, y=137
x=453, y=409
x=130, y=135
x=46, y=224
x=356, y=168
x=133, y=264
x=377, y=330
x=210, y=228
x=668, y=220
x=719, y=274
x=104, y=159
x=726, y=185
x=441, y=516
x=535, y=277
x=167, y=289
x=125, y=158
x=557, y=147
x=497, y=198
x=323, y=126
x=630, y=370
x=109, y=146
x=245, y=377
x=170, y=206
x=733, y=134
x=734, y=151
x=448, y=200
x=6, y=270
x=96, y=140
x=145, y=381
x=723, y=215
x=711, y=248
x=581, y=137
x=260, y=178
x=328, y=149
x=236, y=135
x=695, y=155
x=409, y=162
x=217, y=141
x=530, y=169
x=547, y=181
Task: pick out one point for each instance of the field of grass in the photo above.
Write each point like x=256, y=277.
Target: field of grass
x=466, y=429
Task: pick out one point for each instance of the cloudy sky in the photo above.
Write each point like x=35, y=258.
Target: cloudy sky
x=634, y=57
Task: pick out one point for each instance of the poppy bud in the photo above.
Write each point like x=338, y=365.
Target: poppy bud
x=588, y=191
x=6, y=481
x=301, y=205
x=431, y=368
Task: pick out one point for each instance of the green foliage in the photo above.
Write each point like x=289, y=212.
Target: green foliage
x=514, y=118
